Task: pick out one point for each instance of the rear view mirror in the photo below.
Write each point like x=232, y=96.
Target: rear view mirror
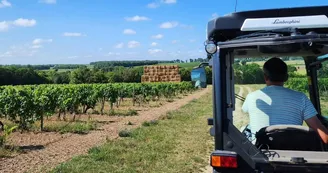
x=198, y=77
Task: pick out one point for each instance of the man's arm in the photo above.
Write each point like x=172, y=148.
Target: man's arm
x=309, y=115
x=315, y=124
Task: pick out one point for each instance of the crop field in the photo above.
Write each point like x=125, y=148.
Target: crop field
x=299, y=64
x=82, y=136
x=26, y=104
x=99, y=127
x=183, y=65
x=54, y=123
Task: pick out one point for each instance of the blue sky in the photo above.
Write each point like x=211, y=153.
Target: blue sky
x=82, y=31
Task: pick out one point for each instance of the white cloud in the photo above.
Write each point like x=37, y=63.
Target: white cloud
x=36, y=46
x=136, y=18
x=175, y=41
x=40, y=41
x=129, y=31
x=168, y=25
x=153, y=5
x=214, y=15
x=158, y=36
x=153, y=44
x=132, y=53
x=119, y=45
x=72, y=57
x=4, y=26
x=5, y=3
x=192, y=40
x=153, y=51
x=20, y=51
x=133, y=44
x=37, y=43
x=24, y=22
x=6, y=54
x=186, y=26
x=73, y=34
x=158, y=3
x=113, y=53
x=48, y=1
x=169, y=1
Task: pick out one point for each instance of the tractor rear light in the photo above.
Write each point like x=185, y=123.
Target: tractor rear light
x=222, y=160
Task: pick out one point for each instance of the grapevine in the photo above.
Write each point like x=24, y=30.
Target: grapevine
x=26, y=104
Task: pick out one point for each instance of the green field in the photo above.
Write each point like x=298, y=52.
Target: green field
x=183, y=65
x=297, y=63
x=64, y=70
x=292, y=62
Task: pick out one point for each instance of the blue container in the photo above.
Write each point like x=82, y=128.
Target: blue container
x=198, y=76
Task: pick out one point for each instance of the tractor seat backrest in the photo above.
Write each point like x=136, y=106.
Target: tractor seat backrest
x=289, y=137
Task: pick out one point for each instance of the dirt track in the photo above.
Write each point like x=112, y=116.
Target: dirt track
x=63, y=148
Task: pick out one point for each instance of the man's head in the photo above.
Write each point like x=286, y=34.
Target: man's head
x=275, y=71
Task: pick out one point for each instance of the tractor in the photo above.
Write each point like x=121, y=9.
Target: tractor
x=283, y=32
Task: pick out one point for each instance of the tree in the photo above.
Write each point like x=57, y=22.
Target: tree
x=248, y=74
x=185, y=74
x=81, y=75
x=291, y=68
x=61, y=78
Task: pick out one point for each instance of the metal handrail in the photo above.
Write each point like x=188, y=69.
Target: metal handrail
x=240, y=97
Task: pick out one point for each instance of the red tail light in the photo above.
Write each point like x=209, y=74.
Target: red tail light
x=224, y=161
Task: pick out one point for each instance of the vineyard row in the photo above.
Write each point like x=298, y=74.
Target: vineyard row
x=26, y=104
x=301, y=84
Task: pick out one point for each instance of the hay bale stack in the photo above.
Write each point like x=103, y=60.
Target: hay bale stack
x=161, y=73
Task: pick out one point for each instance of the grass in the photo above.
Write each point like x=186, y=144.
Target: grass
x=178, y=143
x=71, y=127
x=9, y=151
x=301, y=71
x=237, y=89
x=129, y=112
x=8, y=123
x=150, y=123
x=124, y=133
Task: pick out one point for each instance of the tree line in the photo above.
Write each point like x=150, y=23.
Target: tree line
x=110, y=65
x=244, y=74
x=98, y=64
x=45, y=67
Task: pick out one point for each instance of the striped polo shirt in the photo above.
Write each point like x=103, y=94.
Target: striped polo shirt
x=277, y=105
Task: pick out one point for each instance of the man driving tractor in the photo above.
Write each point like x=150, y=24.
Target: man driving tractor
x=277, y=105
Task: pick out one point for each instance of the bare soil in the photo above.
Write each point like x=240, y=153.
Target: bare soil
x=45, y=150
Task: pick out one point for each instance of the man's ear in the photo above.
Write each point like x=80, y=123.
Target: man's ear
x=266, y=77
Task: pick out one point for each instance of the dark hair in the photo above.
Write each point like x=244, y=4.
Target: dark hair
x=276, y=70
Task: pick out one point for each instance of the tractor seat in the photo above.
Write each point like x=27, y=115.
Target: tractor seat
x=289, y=137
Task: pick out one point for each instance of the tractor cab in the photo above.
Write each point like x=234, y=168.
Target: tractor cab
x=290, y=32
